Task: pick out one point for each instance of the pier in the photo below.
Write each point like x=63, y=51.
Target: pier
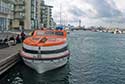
x=9, y=57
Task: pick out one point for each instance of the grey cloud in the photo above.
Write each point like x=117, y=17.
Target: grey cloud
x=114, y=20
x=105, y=12
x=76, y=11
x=104, y=9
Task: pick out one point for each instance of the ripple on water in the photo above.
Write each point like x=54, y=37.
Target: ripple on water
x=96, y=58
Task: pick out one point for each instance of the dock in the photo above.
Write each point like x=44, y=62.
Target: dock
x=8, y=57
x=79, y=28
x=6, y=35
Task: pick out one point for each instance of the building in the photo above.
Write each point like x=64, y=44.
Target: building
x=6, y=14
x=46, y=15
x=26, y=14
x=49, y=16
x=31, y=14
x=53, y=23
x=35, y=13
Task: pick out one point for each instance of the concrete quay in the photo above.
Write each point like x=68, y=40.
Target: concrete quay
x=8, y=57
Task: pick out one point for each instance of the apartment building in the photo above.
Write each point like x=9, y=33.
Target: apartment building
x=31, y=14
x=26, y=14
x=46, y=15
x=49, y=16
x=6, y=14
x=35, y=13
x=53, y=23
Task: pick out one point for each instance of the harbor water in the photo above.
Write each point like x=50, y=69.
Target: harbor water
x=96, y=58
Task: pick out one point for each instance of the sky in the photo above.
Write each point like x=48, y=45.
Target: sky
x=107, y=13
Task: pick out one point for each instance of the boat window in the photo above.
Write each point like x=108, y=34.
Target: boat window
x=59, y=33
x=49, y=33
x=40, y=33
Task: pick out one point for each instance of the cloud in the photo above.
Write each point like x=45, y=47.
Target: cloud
x=96, y=12
x=77, y=12
x=104, y=9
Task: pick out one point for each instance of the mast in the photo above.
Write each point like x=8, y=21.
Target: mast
x=60, y=14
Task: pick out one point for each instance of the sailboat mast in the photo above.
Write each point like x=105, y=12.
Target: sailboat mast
x=60, y=14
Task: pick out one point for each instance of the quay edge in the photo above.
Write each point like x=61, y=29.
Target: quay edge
x=10, y=58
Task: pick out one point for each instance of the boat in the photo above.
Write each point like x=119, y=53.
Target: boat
x=45, y=50
x=116, y=31
x=67, y=30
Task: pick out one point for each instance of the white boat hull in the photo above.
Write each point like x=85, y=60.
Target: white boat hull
x=45, y=50
x=42, y=66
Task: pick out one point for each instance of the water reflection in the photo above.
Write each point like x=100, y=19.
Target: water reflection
x=57, y=76
x=21, y=74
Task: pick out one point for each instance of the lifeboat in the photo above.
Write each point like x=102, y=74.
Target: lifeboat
x=45, y=50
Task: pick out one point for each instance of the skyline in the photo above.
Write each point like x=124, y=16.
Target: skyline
x=108, y=13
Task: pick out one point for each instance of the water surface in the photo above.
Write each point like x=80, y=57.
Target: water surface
x=96, y=58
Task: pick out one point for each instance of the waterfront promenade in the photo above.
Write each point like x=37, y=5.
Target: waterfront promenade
x=8, y=57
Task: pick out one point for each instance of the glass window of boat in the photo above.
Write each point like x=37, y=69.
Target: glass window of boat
x=40, y=33
x=49, y=33
x=59, y=33
x=45, y=33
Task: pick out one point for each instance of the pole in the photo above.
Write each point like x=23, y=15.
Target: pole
x=60, y=14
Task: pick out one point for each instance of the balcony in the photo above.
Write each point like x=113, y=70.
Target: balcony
x=19, y=9
x=20, y=2
x=19, y=17
x=8, y=1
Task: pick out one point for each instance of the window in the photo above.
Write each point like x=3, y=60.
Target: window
x=59, y=33
x=46, y=33
x=40, y=33
x=49, y=33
